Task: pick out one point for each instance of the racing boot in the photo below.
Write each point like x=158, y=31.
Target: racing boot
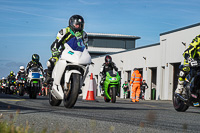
x=47, y=79
x=50, y=66
x=179, y=88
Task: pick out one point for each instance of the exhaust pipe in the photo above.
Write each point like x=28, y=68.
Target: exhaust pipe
x=181, y=97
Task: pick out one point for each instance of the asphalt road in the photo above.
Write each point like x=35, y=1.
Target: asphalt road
x=95, y=117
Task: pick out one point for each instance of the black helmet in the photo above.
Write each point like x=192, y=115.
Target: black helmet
x=135, y=69
x=35, y=58
x=108, y=59
x=76, y=20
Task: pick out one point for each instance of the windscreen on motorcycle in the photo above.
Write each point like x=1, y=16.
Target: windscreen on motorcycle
x=112, y=73
x=76, y=44
x=34, y=69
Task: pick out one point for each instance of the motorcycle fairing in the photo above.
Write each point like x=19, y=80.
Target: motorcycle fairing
x=109, y=82
x=80, y=56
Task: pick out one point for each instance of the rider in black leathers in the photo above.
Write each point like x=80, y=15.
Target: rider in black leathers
x=11, y=78
x=34, y=63
x=107, y=66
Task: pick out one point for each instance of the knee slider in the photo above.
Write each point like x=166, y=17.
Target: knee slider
x=182, y=74
x=48, y=64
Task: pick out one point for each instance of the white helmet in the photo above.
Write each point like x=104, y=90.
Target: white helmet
x=3, y=78
x=21, y=68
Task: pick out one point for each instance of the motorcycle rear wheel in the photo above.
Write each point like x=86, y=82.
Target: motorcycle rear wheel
x=179, y=105
x=71, y=93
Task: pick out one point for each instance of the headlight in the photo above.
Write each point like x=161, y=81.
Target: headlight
x=113, y=78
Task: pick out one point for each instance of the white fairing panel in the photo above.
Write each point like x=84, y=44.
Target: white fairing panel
x=58, y=71
x=57, y=75
x=78, y=57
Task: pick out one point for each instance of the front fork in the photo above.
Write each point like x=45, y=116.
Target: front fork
x=84, y=75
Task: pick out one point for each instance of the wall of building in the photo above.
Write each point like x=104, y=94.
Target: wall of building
x=158, y=62
x=111, y=43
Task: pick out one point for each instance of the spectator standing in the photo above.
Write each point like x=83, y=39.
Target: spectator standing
x=126, y=89
x=144, y=86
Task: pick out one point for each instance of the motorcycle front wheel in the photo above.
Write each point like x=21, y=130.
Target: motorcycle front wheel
x=113, y=94
x=71, y=92
x=179, y=105
x=21, y=90
x=33, y=91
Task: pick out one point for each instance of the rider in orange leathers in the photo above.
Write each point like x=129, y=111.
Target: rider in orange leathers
x=136, y=79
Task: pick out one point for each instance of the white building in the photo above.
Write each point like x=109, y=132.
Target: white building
x=158, y=63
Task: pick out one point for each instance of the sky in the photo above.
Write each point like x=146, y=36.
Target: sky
x=30, y=26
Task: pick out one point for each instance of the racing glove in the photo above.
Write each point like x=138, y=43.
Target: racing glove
x=55, y=52
x=192, y=62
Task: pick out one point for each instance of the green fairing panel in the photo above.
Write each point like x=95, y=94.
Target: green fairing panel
x=111, y=82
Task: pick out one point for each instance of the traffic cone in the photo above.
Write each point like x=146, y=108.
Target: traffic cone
x=90, y=92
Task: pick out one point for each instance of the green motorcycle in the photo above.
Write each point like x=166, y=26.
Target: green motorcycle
x=110, y=86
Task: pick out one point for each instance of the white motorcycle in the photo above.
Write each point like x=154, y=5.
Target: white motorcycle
x=34, y=82
x=69, y=74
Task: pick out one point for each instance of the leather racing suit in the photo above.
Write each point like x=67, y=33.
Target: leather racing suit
x=191, y=54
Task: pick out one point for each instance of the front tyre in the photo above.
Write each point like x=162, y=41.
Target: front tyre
x=179, y=105
x=21, y=90
x=33, y=91
x=71, y=93
x=113, y=94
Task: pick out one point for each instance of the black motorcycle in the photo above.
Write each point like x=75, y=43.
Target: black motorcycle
x=191, y=97
x=12, y=87
x=21, y=85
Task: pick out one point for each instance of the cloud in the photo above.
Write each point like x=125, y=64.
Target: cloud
x=88, y=2
x=187, y=11
x=29, y=35
x=169, y=23
x=16, y=10
x=25, y=2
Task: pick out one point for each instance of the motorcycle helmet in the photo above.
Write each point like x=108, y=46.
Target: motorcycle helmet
x=11, y=72
x=21, y=68
x=76, y=22
x=108, y=59
x=35, y=58
x=3, y=78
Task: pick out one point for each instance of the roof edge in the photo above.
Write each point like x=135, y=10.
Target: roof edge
x=179, y=29
x=112, y=35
